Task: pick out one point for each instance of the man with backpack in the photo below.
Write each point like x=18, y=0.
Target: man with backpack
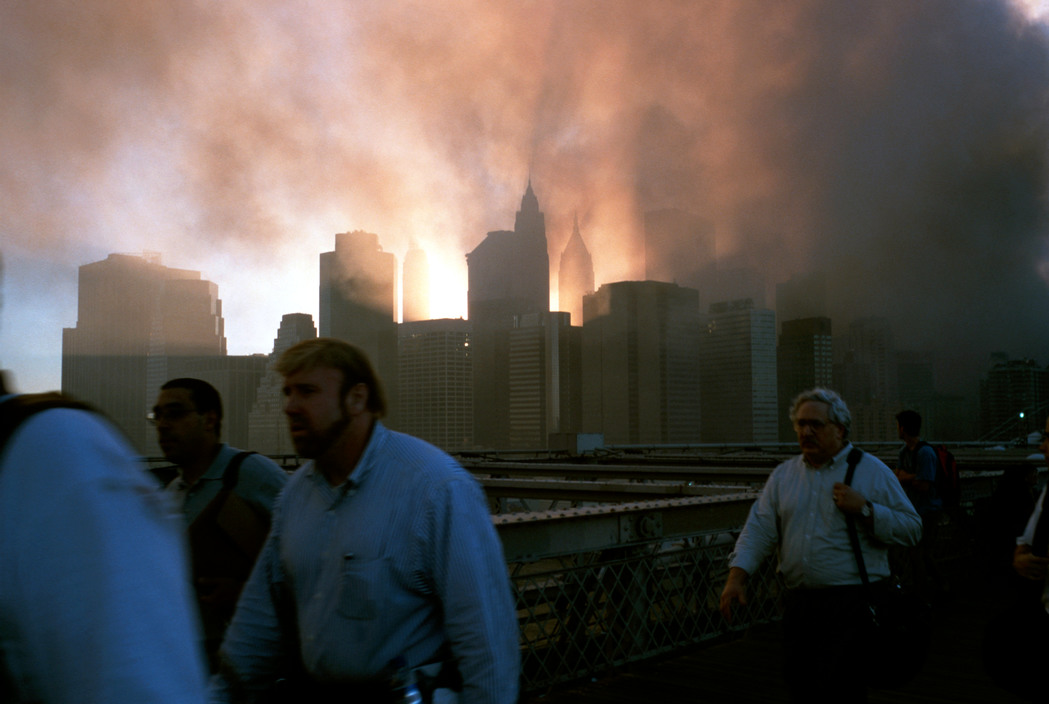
x=918, y=470
x=225, y=494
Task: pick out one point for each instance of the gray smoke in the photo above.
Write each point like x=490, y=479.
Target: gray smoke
x=898, y=145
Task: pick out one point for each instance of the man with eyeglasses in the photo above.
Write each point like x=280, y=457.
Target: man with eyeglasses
x=225, y=494
x=802, y=511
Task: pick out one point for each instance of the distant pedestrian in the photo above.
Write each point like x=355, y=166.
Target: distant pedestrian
x=802, y=511
x=917, y=470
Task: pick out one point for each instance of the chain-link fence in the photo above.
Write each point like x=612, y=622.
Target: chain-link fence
x=587, y=613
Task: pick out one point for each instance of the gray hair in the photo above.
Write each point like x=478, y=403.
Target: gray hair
x=837, y=411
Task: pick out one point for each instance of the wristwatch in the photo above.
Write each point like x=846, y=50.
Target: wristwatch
x=868, y=510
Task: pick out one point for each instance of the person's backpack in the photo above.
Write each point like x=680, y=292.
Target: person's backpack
x=948, y=485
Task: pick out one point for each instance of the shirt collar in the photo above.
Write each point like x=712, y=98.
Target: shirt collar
x=217, y=467
x=841, y=455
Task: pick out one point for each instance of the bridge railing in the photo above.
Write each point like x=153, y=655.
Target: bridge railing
x=588, y=613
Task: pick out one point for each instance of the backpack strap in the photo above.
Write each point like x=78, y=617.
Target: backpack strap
x=232, y=472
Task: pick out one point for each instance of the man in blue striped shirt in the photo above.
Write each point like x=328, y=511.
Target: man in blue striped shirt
x=381, y=547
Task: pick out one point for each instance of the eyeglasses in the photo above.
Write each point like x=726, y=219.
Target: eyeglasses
x=814, y=423
x=168, y=414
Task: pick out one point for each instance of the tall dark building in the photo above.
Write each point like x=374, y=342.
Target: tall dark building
x=138, y=324
x=509, y=276
x=1014, y=398
x=435, y=359
x=866, y=373
x=640, y=363
x=575, y=276
x=545, y=379
x=738, y=374
x=358, y=294
x=804, y=360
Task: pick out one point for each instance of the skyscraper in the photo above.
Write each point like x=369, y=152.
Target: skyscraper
x=738, y=374
x=640, y=367
x=1013, y=398
x=267, y=425
x=545, y=366
x=575, y=276
x=358, y=295
x=804, y=360
x=415, y=286
x=866, y=373
x=138, y=323
x=509, y=276
x=509, y=272
x=435, y=366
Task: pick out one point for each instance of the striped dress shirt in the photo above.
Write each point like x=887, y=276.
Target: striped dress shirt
x=401, y=559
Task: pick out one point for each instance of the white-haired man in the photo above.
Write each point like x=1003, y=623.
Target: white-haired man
x=802, y=510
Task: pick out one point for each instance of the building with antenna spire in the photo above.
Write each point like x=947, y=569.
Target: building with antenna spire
x=509, y=277
x=575, y=276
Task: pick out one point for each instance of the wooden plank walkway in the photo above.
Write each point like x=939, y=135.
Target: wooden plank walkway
x=747, y=670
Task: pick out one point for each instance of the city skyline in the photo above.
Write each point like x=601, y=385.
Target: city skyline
x=900, y=149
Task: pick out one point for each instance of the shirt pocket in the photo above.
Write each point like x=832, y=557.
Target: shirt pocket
x=360, y=587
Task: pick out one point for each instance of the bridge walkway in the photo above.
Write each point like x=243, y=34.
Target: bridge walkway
x=745, y=669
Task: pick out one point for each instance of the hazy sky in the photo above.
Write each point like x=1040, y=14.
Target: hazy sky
x=900, y=145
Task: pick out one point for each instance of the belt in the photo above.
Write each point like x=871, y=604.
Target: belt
x=430, y=678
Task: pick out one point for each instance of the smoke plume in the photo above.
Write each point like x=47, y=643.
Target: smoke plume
x=898, y=146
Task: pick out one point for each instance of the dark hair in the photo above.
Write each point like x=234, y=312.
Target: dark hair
x=910, y=421
x=341, y=356
x=204, y=396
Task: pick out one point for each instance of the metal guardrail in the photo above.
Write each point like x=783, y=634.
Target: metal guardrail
x=587, y=613
x=601, y=586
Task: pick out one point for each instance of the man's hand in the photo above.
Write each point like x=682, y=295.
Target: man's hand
x=1028, y=565
x=735, y=590
x=848, y=500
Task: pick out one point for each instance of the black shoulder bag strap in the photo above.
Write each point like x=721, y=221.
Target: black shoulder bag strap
x=850, y=521
x=1040, y=542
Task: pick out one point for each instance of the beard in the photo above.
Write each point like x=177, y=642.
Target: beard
x=316, y=443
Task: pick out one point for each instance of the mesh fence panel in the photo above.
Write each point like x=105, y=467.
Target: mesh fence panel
x=583, y=614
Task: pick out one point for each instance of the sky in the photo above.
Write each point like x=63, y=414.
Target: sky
x=900, y=146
